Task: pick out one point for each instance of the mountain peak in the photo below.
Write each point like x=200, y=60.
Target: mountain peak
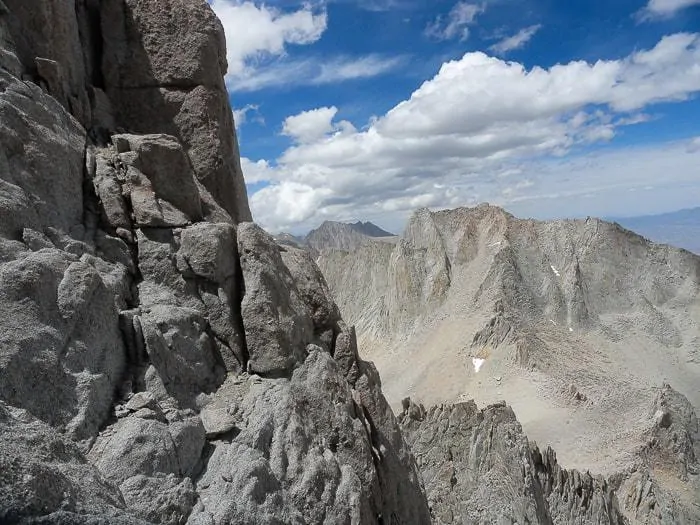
x=344, y=236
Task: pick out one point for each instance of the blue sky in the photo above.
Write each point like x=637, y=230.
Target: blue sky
x=368, y=109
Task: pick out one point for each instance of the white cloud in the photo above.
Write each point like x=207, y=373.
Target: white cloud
x=667, y=8
x=293, y=203
x=258, y=32
x=309, y=126
x=240, y=116
x=457, y=22
x=340, y=69
x=474, y=130
x=515, y=41
x=313, y=72
x=257, y=171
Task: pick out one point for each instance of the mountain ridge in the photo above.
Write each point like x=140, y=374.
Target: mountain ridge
x=575, y=320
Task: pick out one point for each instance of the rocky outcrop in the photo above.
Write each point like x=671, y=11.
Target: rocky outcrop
x=674, y=439
x=162, y=360
x=479, y=467
x=45, y=474
x=663, y=486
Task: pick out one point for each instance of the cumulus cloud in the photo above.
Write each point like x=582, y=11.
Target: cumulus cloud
x=456, y=23
x=468, y=133
x=515, y=41
x=310, y=125
x=666, y=8
x=257, y=171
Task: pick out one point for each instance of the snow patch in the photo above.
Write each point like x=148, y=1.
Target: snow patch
x=556, y=272
x=495, y=244
x=477, y=363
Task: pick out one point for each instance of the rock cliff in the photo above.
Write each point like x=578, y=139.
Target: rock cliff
x=162, y=360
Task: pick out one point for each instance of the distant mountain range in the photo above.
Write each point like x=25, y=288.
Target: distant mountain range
x=680, y=228
x=337, y=235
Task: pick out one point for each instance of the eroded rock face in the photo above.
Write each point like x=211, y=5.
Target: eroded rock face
x=479, y=467
x=161, y=360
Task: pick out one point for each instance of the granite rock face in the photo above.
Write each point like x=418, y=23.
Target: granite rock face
x=161, y=359
x=163, y=67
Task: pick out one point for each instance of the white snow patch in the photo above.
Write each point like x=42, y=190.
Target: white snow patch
x=571, y=329
x=556, y=272
x=477, y=363
x=495, y=244
x=552, y=321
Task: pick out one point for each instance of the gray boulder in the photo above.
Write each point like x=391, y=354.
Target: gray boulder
x=302, y=453
x=135, y=446
x=182, y=351
x=38, y=138
x=66, y=367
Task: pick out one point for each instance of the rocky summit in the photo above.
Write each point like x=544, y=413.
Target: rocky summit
x=164, y=361
x=338, y=235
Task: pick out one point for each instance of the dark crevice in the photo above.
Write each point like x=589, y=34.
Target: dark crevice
x=236, y=307
x=94, y=27
x=275, y=374
x=373, y=440
x=91, y=203
x=336, y=333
